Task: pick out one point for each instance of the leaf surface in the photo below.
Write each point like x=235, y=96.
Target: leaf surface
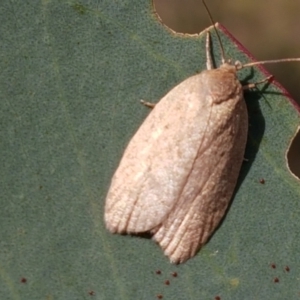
x=72, y=75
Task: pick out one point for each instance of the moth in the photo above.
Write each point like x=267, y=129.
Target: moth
x=179, y=171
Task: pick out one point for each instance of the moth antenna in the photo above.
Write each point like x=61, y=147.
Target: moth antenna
x=264, y=62
x=218, y=36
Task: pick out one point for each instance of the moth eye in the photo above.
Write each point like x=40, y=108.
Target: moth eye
x=238, y=65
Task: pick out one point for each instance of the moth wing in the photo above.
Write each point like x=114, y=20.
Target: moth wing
x=156, y=164
x=210, y=185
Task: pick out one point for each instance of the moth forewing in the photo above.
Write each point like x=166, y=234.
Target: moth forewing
x=211, y=180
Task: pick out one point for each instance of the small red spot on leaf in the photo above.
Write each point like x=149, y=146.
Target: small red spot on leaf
x=273, y=266
x=287, y=268
x=262, y=181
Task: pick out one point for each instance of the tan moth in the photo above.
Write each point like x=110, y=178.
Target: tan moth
x=178, y=172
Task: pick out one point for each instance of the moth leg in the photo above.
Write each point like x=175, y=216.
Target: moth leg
x=209, y=62
x=253, y=85
x=148, y=104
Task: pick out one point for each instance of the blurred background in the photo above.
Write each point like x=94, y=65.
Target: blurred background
x=269, y=29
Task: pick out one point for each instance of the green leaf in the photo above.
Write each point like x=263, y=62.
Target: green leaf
x=72, y=75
